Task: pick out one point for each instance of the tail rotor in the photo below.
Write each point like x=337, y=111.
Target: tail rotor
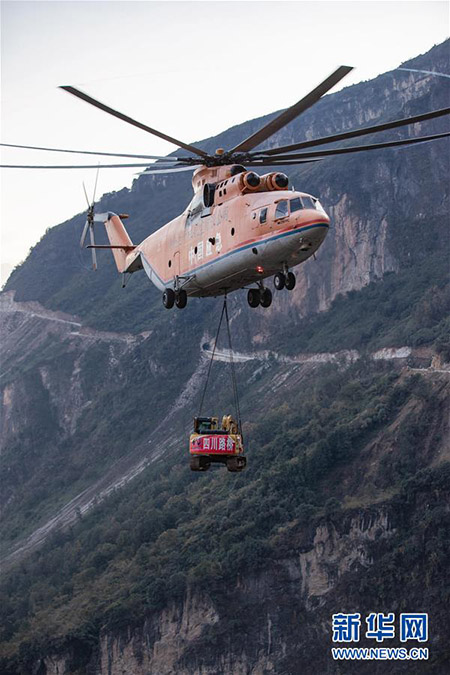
x=89, y=224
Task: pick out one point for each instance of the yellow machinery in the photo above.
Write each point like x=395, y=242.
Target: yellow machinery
x=211, y=443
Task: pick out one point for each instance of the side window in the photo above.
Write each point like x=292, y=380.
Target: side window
x=263, y=215
x=282, y=209
x=296, y=204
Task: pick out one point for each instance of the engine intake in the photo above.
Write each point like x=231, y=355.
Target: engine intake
x=275, y=181
x=208, y=194
x=250, y=181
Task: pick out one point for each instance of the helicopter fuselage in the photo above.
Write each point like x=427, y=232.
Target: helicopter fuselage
x=239, y=240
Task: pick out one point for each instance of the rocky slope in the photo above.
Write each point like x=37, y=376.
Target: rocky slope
x=33, y=325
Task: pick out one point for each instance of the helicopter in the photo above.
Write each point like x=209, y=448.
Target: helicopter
x=240, y=227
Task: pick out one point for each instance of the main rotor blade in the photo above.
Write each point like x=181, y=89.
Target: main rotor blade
x=262, y=162
x=192, y=167
x=95, y=186
x=92, y=152
x=287, y=159
x=273, y=162
x=94, y=255
x=355, y=133
x=292, y=112
x=71, y=166
x=130, y=120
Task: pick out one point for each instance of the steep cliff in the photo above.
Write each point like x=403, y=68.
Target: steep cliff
x=117, y=558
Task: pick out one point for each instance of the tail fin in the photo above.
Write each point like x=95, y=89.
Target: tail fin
x=120, y=242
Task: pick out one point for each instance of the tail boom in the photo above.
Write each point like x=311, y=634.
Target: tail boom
x=119, y=239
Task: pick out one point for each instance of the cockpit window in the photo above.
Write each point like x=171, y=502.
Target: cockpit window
x=282, y=209
x=308, y=202
x=296, y=204
x=263, y=215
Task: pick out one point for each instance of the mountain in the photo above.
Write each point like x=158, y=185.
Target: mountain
x=116, y=557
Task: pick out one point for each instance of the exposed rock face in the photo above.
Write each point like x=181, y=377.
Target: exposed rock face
x=356, y=253
x=156, y=647
x=334, y=554
x=56, y=665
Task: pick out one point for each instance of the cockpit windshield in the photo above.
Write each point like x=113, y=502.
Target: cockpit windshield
x=308, y=202
x=319, y=206
x=296, y=204
x=305, y=202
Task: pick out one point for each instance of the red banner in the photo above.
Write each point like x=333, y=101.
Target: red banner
x=215, y=443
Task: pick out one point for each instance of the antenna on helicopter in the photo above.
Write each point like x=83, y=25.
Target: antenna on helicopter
x=89, y=225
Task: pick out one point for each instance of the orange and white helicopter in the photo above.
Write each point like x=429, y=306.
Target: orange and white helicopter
x=240, y=227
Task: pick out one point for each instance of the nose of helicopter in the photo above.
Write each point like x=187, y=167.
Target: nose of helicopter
x=310, y=223
x=310, y=216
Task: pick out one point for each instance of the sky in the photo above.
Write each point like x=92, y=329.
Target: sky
x=189, y=69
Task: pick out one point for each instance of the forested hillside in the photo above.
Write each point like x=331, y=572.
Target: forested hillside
x=119, y=559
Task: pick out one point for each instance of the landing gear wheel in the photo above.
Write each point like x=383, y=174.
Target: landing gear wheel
x=181, y=299
x=254, y=297
x=279, y=281
x=236, y=464
x=266, y=297
x=290, y=281
x=168, y=298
